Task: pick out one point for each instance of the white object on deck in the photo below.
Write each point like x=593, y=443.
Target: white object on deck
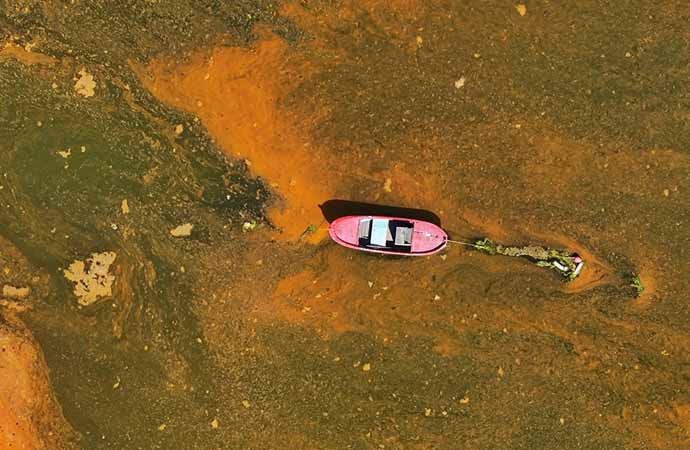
x=379, y=232
x=403, y=236
x=364, y=228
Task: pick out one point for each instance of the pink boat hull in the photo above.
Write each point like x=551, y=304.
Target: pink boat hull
x=426, y=238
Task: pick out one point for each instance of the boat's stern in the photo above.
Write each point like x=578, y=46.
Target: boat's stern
x=345, y=230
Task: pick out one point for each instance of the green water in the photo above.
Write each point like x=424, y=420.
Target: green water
x=57, y=209
x=169, y=352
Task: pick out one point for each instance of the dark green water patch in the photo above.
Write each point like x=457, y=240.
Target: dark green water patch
x=557, y=64
x=352, y=391
x=67, y=163
x=118, y=393
x=113, y=32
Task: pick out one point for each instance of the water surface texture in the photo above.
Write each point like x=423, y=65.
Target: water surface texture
x=163, y=166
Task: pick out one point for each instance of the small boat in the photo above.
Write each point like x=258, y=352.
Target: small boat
x=389, y=235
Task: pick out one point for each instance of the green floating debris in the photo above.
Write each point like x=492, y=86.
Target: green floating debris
x=311, y=229
x=249, y=225
x=567, y=264
x=636, y=283
x=486, y=245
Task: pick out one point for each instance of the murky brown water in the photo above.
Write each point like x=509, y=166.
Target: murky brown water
x=555, y=125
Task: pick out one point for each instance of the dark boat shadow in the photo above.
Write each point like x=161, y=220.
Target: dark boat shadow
x=333, y=209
